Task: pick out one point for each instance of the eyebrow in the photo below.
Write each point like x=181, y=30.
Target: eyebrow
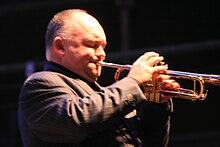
x=94, y=40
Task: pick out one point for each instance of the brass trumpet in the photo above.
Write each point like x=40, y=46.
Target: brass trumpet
x=194, y=94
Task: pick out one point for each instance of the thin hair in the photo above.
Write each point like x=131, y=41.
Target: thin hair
x=58, y=25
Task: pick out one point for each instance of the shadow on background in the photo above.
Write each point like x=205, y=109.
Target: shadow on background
x=186, y=33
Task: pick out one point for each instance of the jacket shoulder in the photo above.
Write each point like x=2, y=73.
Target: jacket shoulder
x=46, y=75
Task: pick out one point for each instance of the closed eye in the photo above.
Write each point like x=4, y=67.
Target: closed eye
x=94, y=44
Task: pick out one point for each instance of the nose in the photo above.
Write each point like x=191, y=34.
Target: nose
x=100, y=53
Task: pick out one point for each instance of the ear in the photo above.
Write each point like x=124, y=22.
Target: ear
x=58, y=46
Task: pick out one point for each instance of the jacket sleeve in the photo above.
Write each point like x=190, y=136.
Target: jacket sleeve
x=54, y=110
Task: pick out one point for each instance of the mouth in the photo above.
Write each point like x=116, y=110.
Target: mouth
x=95, y=64
x=98, y=63
x=101, y=63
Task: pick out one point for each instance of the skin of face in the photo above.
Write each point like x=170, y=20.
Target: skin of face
x=85, y=47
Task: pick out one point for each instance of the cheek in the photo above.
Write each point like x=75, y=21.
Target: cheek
x=80, y=57
x=71, y=58
x=88, y=53
x=72, y=54
x=84, y=53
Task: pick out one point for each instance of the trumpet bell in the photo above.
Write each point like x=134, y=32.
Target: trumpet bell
x=198, y=92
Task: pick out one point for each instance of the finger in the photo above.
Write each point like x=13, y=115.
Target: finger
x=153, y=61
x=148, y=55
x=160, y=69
x=161, y=77
x=170, y=84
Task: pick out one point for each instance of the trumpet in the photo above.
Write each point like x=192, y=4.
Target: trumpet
x=198, y=92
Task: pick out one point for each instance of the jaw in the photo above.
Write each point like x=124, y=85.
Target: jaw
x=92, y=72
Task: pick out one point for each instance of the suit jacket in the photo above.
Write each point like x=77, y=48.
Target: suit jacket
x=59, y=108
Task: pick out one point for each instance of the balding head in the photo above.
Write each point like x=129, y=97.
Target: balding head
x=76, y=41
x=69, y=23
x=58, y=24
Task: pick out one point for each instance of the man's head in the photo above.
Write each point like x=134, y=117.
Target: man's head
x=76, y=40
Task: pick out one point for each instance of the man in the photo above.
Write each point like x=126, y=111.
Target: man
x=64, y=106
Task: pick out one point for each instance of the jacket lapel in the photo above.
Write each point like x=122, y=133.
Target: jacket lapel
x=87, y=86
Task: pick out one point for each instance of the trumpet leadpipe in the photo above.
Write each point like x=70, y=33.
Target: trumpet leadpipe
x=114, y=65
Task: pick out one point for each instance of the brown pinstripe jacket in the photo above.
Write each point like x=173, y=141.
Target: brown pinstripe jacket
x=58, y=108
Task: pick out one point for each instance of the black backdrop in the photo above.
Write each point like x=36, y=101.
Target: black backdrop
x=187, y=33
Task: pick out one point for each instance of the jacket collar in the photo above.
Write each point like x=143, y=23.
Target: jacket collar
x=54, y=67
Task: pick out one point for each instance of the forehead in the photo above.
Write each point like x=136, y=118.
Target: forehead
x=87, y=26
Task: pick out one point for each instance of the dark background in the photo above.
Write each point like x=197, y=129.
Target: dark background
x=186, y=33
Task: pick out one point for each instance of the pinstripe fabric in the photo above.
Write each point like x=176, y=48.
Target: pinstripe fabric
x=58, y=108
